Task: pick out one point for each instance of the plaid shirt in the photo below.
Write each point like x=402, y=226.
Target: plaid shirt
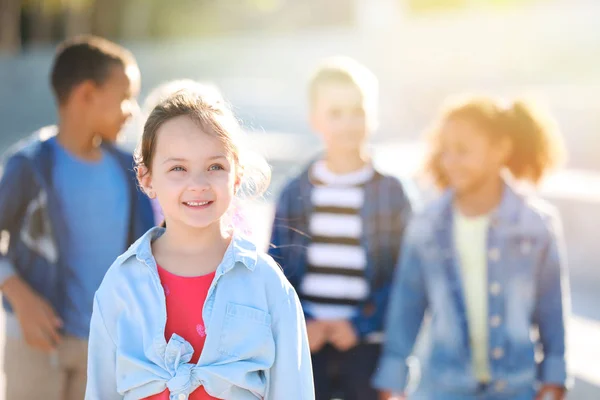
x=385, y=213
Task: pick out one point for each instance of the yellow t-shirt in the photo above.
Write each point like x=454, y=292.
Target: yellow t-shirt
x=470, y=237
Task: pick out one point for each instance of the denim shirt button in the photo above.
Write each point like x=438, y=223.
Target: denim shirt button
x=494, y=254
x=500, y=386
x=495, y=288
x=495, y=321
x=182, y=397
x=497, y=353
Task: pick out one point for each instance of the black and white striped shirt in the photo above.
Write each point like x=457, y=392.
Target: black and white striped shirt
x=335, y=281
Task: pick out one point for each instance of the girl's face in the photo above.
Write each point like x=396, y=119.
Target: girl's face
x=468, y=157
x=192, y=175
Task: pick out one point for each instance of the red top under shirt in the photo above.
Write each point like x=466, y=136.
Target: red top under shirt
x=185, y=299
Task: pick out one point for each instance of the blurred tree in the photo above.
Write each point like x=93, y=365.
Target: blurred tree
x=24, y=22
x=432, y=5
x=441, y=5
x=138, y=17
x=43, y=21
x=10, y=25
x=107, y=18
x=193, y=18
x=38, y=20
x=77, y=17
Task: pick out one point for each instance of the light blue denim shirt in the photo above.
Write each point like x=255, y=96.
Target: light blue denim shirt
x=527, y=289
x=256, y=343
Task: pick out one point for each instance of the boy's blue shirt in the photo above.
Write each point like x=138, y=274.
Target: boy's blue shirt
x=94, y=200
x=256, y=342
x=527, y=288
x=30, y=213
x=385, y=214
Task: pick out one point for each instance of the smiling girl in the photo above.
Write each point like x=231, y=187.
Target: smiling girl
x=194, y=310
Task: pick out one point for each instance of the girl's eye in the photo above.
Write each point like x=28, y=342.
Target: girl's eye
x=178, y=169
x=216, y=167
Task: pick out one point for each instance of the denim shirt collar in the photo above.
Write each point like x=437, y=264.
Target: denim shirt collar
x=506, y=214
x=240, y=250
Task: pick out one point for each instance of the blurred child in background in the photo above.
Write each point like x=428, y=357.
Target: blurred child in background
x=70, y=203
x=337, y=233
x=486, y=261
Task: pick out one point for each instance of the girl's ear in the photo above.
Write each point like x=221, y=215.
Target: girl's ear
x=145, y=180
x=236, y=186
x=238, y=179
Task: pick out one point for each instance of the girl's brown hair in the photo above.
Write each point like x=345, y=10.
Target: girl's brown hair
x=214, y=118
x=536, y=143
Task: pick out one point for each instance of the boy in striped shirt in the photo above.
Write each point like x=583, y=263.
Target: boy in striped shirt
x=337, y=233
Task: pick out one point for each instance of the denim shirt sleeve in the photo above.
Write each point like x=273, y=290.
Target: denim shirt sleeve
x=15, y=192
x=101, y=379
x=408, y=301
x=281, y=238
x=291, y=374
x=365, y=324
x=552, y=308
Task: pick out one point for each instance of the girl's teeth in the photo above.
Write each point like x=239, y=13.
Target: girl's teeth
x=195, y=204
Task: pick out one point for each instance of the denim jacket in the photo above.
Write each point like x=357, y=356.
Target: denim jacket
x=256, y=343
x=385, y=214
x=31, y=215
x=528, y=288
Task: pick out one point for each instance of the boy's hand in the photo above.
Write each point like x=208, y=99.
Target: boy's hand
x=317, y=334
x=390, y=396
x=39, y=322
x=551, y=392
x=342, y=335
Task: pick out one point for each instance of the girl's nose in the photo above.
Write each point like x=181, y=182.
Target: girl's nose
x=199, y=182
